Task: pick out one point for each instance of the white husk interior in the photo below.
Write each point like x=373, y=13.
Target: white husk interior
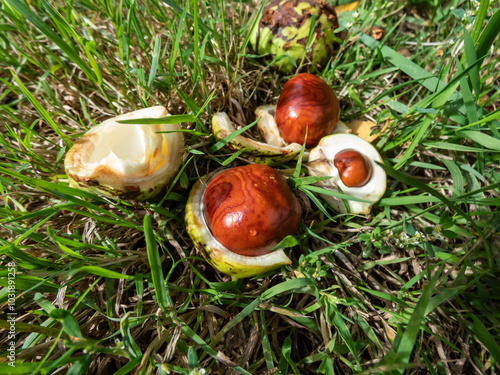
x=222, y=121
x=123, y=155
x=321, y=164
x=267, y=126
x=120, y=147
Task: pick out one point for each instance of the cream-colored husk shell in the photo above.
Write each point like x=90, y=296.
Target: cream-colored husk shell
x=236, y=265
x=222, y=124
x=120, y=159
x=321, y=164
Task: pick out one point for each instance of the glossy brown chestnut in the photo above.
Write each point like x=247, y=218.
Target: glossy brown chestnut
x=354, y=168
x=250, y=209
x=306, y=103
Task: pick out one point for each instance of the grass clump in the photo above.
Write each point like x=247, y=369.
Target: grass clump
x=105, y=286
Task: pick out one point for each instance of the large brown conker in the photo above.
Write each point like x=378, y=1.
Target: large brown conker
x=354, y=168
x=250, y=209
x=306, y=104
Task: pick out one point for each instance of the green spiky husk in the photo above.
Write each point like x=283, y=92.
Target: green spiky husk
x=285, y=27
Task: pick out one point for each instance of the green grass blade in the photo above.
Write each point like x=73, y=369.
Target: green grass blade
x=470, y=105
x=298, y=165
x=89, y=47
x=336, y=194
x=485, y=337
x=40, y=109
x=452, y=147
x=470, y=53
x=81, y=366
x=128, y=341
x=68, y=321
x=31, y=230
x=155, y=265
x=488, y=34
x=224, y=141
x=154, y=63
x=173, y=119
x=175, y=46
x=266, y=345
x=129, y=367
x=286, y=286
x=28, y=367
x=196, y=43
x=316, y=201
x=99, y=271
x=286, y=352
x=407, y=200
x=456, y=175
x=480, y=16
x=480, y=138
x=255, y=20
x=27, y=13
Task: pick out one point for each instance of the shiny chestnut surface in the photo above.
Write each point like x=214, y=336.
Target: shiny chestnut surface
x=306, y=103
x=250, y=209
x=354, y=168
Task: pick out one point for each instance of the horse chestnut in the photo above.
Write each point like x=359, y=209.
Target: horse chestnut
x=306, y=105
x=250, y=209
x=354, y=168
x=353, y=165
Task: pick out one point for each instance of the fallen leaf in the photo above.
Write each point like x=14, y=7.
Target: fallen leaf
x=346, y=7
x=364, y=128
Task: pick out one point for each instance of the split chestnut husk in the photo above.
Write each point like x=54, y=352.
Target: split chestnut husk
x=126, y=161
x=352, y=163
x=254, y=151
x=237, y=216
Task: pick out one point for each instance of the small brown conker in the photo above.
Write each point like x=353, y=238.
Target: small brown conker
x=306, y=104
x=354, y=168
x=250, y=209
